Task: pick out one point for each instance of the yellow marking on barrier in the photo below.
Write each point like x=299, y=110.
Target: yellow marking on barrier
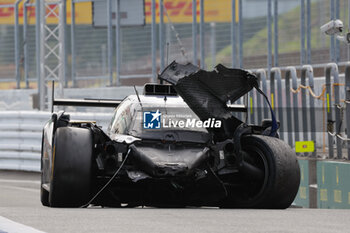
x=328, y=103
x=349, y=198
x=304, y=146
x=337, y=196
x=302, y=192
x=237, y=10
x=323, y=195
x=323, y=174
x=251, y=105
x=302, y=172
x=337, y=174
x=272, y=102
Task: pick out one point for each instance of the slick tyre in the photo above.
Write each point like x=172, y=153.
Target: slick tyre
x=71, y=167
x=44, y=194
x=44, y=197
x=280, y=183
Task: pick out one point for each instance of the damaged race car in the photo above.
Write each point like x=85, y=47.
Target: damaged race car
x=176, y=145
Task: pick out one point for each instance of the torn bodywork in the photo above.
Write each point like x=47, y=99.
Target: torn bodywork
x=152, y=163
x=207, y=93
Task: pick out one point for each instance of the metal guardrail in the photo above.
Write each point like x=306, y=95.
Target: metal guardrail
x=332, y=71
x=347, y=96
x=308, y=73
x=277, y=75
x=295, y=105
x=20, y=136
x=289, y=110
x=20, y=139
x=303, y=96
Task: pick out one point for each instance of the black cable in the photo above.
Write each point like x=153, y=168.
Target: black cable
x=274, y=126
x=110, y=180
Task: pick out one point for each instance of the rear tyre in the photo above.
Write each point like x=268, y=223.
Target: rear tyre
x=44, y=195
x=71, y=167
x=280, y=183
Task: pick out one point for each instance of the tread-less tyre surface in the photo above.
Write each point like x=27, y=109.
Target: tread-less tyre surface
x=44, y=194
x=280, y=184
x=71, y=172
x=44, y=197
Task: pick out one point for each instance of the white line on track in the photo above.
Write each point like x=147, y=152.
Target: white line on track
x=8, y=226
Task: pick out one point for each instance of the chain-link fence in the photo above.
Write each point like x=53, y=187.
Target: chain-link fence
x=91, y=49
x=7, y=45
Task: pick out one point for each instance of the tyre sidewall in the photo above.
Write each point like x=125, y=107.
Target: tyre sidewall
x=71, y=167
x=283, y=178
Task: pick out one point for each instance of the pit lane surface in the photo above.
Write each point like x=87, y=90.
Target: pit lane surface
x=19, y=202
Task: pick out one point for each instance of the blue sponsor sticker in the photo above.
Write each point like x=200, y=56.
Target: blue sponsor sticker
x=151, y=120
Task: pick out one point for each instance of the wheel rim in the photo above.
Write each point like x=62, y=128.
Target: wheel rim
x=257, y=158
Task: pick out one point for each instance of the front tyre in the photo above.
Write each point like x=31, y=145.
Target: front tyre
x=280, y=184
x=71, y=167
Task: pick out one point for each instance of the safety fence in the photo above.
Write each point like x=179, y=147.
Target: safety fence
x=232, y=32
x=20, y=136
x=310, y=110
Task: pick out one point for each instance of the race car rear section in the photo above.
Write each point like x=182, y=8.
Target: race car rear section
x=164, y=174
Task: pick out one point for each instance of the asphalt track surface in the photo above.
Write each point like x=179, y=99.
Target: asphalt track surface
x=19, y=202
